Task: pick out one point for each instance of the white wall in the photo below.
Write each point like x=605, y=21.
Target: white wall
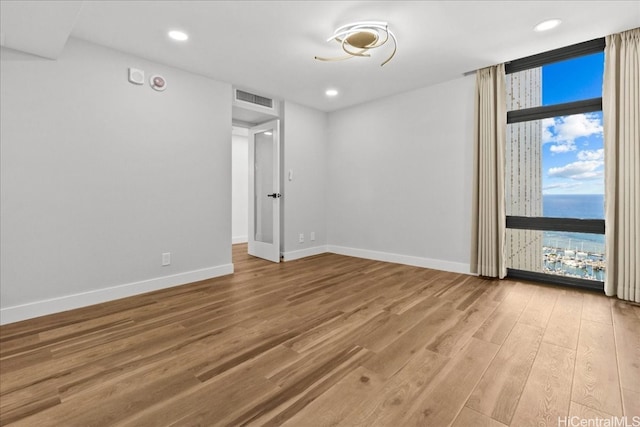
x=399, y=177
x=304, y=197
x=100, y=176
x=240, y=184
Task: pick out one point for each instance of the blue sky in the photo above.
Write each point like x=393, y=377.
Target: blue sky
x=573, y=150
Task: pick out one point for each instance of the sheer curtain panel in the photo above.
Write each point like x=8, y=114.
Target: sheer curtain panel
x=487, y=258
x=621, y=110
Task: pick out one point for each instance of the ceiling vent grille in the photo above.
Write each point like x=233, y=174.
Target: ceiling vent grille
x=254, y=99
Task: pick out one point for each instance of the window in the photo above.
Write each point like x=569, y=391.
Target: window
x=554, y=183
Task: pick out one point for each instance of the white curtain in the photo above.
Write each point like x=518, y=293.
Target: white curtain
x=621, y=112
x=488, y=204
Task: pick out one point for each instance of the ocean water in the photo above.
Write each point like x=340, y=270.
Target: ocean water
x=583, y=206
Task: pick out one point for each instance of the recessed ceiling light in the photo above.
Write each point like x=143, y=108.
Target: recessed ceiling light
x=547, y=25
x=178, y=35
x=331, y=92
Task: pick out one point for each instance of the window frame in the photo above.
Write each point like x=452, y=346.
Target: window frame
x=591, y=226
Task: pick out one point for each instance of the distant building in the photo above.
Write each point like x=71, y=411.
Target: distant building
x=523, y=180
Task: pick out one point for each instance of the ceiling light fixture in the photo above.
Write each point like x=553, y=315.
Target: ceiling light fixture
x=178, y=35
x=331, y=92
x=357, y=38
x=547, y=25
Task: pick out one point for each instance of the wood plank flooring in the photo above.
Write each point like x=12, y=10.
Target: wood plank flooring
x=324, y=341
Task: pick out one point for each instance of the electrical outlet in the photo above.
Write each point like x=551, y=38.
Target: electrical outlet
x=166, y=259
x=312, y=236
x=301, y=238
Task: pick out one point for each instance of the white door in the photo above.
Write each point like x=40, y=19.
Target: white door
x=264, y=191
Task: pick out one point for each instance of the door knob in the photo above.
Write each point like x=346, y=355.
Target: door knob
x=274, y=195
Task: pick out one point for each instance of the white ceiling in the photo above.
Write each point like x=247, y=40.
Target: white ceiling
x=268, y=46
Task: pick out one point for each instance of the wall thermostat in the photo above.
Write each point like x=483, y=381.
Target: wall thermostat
x=136, y=76
x=158, y=82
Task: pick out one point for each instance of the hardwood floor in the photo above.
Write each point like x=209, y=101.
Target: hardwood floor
x=327, y=340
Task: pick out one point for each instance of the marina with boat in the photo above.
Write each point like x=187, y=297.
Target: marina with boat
x=573, y=262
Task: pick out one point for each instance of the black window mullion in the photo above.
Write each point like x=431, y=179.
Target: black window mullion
x=593, y=226
x=593, y=285
x=566, y=109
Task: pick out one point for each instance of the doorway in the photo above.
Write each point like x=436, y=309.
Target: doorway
x=256, y=197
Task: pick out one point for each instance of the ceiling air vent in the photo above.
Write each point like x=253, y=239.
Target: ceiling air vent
x=254, y=99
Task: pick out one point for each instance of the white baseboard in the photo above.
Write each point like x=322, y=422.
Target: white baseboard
x=69, y=302
x=436, y=264
x=315, y=250
x=239, y=239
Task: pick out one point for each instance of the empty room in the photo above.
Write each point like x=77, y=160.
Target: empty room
x=319, y=213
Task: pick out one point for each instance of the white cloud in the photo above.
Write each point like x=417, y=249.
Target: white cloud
x=578, y=125
x=589, y=175
x=547, y=124
x=562, y=186
x=583, y=169
x=591, y=154
x=563, y=148
x=563, y=131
